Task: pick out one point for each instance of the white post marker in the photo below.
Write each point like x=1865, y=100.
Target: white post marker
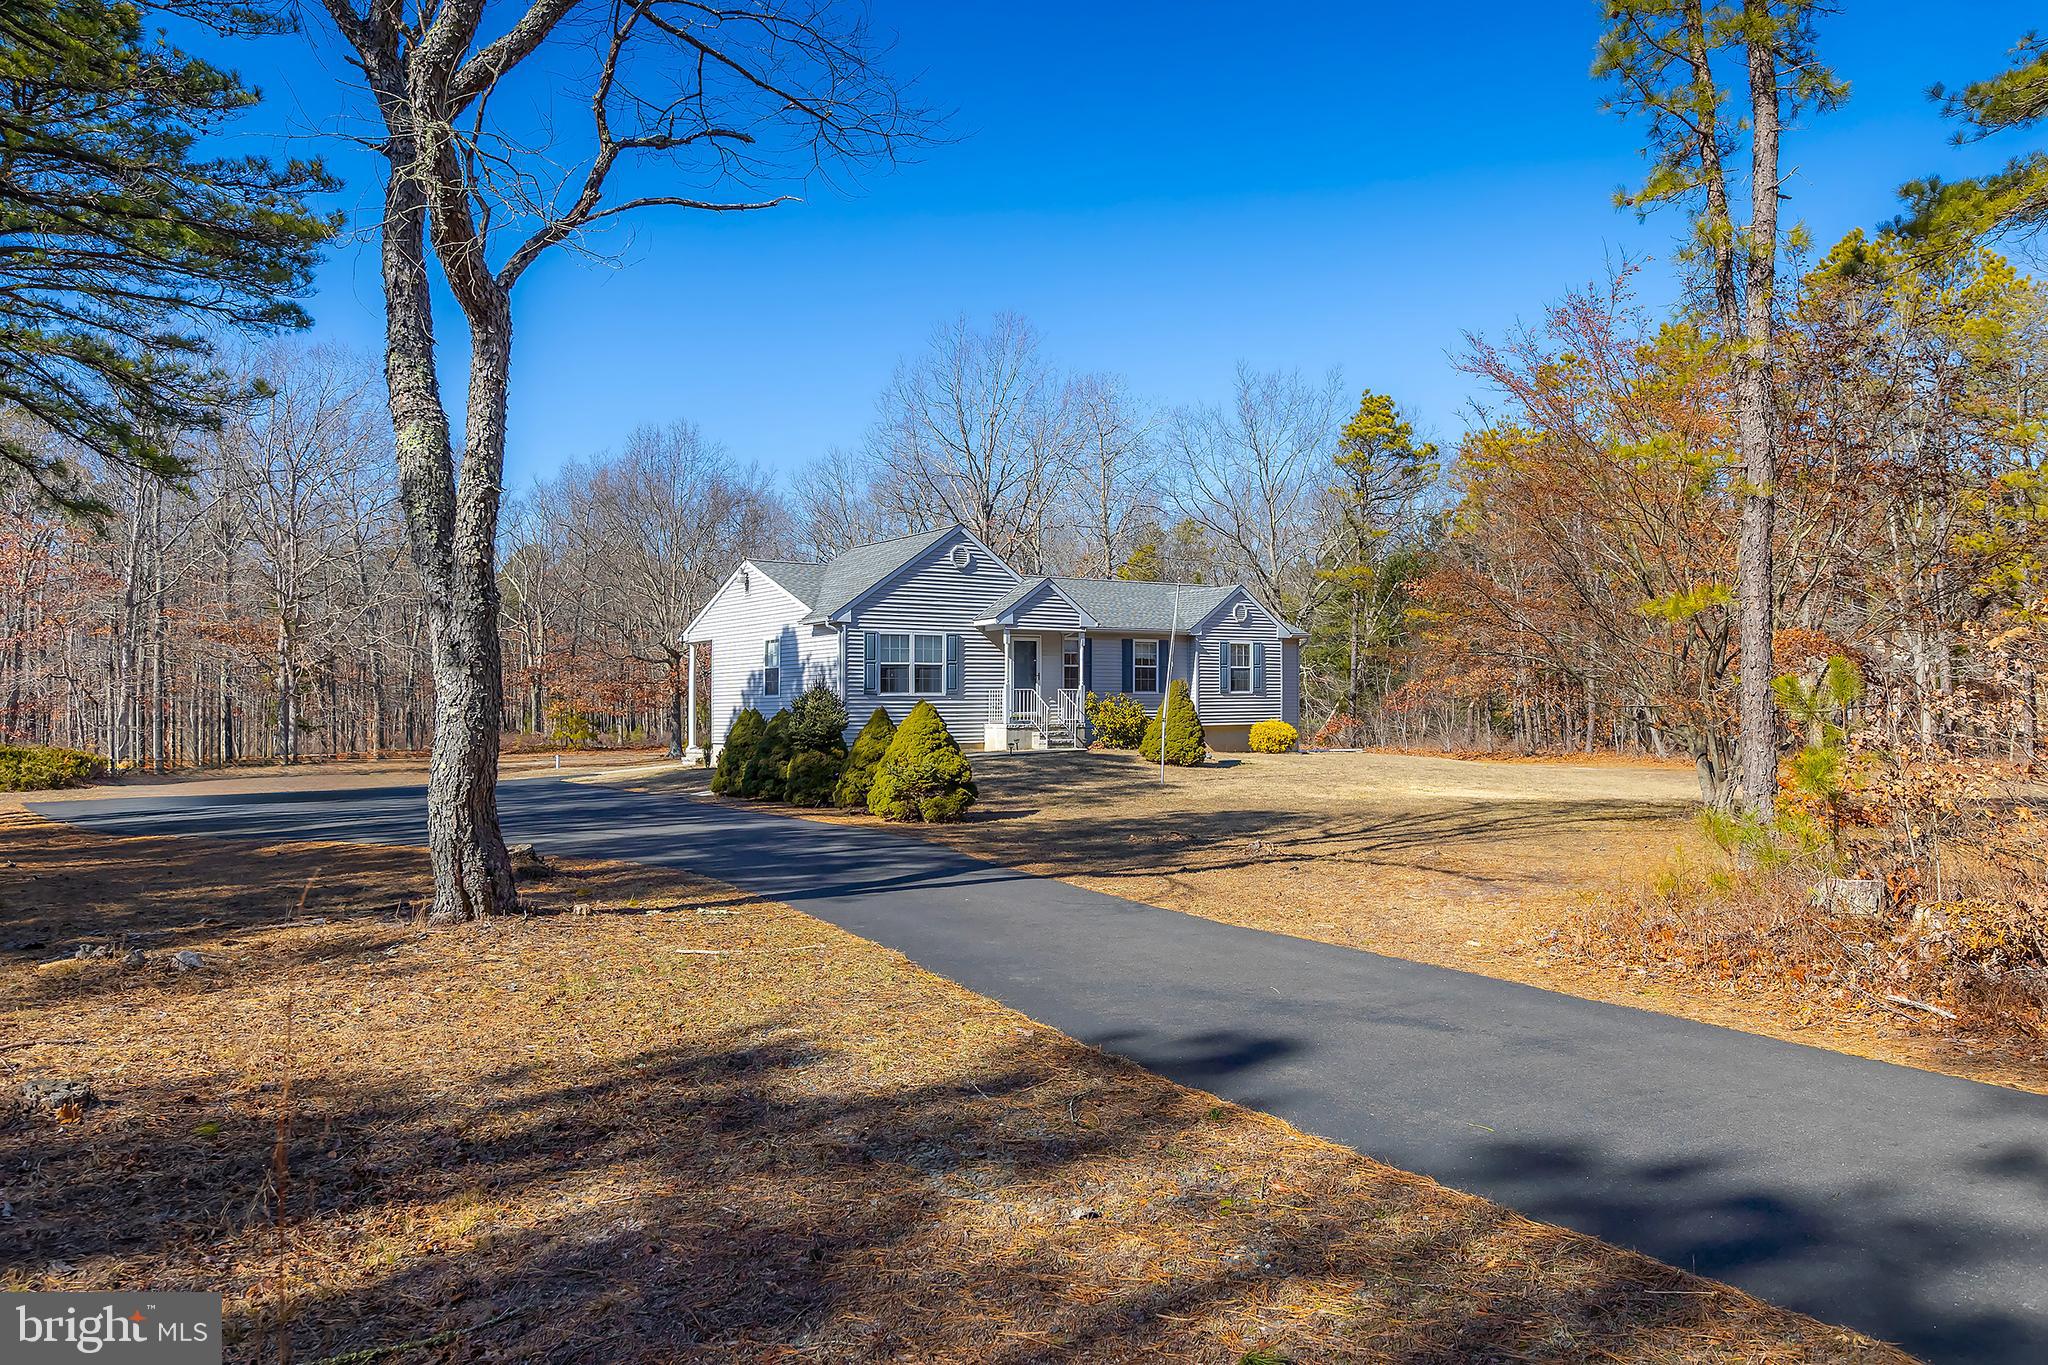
x=1166, y=682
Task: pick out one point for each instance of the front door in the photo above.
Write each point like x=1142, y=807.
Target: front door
x=1023, y=674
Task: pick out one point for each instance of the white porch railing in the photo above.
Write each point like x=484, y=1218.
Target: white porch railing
x=1067, y=709
x=1058, y=716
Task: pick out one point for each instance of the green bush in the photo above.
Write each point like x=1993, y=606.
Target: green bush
x=1274, y=737
x=569, y=726
x=817, y=721
x=859, y=774
x=33, y=768
x=812, y=776
x=1186, y=745
x=768, y=766
x=1117, y=721
x=924, y=776
x=740, y=741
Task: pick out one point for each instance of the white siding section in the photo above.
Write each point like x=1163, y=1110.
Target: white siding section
x=1269, y=700
x=935, y=596
x=821, y=659
x=741, y=618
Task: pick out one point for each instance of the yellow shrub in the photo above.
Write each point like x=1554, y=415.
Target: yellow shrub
x=1274, y=737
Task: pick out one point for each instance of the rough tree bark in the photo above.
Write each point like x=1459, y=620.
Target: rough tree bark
x=793, y=80
x=1661, y=55
x=453, y=527
x=1756, y=424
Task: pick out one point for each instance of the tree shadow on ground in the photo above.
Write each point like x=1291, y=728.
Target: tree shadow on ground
x=1872, y=1256
x=807, y=1215
x=713, y=1200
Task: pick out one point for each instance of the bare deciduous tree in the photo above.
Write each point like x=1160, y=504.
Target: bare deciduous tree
x=1115, y=481
x=973, y=431
x=295, y=464
x=688, y=105
x=666, y=522
x=1254, y=475
x=835, y=507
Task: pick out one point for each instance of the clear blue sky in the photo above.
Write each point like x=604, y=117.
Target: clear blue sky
x=1165, y=190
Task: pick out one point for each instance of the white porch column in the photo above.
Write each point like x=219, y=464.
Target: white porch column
x=1080, y=717
x=690, y=700
x=1009, y=677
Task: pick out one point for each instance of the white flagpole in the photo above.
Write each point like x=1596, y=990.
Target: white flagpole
x=1166, y=683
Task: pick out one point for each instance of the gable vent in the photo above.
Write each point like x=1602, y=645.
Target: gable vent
x=963, y=557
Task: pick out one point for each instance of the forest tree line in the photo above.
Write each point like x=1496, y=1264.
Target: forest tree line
x=1558, y=581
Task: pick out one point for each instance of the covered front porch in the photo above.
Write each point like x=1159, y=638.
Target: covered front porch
x=1042, y=703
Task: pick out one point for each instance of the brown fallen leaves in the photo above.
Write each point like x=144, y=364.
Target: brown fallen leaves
x=560, y=1138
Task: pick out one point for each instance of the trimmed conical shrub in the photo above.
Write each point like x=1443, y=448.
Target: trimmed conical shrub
x=868, y=748
x=812, y=776
x=1186, y=745
x=924, y=776
x=740, y=740
x=768, y=766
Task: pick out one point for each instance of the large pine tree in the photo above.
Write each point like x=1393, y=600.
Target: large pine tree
x=1380, y=470
x=1667, y=60
x=122, y=247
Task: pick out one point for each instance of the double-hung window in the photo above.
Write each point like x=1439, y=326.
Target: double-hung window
x=930, y=671
x=908, y=664
x=1240, y=668
x=771, y=668
x=1070, y=665
x=1145, y=666
x=892, y=664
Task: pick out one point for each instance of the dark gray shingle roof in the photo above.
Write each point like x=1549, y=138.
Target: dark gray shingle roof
x=825, y=588
x=802, y=578
x=1118, y=605
x=1114, y=603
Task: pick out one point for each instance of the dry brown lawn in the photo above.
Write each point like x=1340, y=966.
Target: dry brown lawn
x=1463, y=863
x=679, y=1123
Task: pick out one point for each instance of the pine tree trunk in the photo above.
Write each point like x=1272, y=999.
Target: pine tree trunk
x=1354, y=701
x=1756, y=422
x=227, y=714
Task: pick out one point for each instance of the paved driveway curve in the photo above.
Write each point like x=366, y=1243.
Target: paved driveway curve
x=1909, y=1205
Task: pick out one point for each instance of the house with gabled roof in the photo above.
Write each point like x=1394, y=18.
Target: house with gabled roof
x=1007, y=659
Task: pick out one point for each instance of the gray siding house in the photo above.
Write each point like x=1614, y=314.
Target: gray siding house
x=1007, y=660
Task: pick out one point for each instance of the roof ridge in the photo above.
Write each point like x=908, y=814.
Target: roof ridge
x=1140, y=582
x=891, y=540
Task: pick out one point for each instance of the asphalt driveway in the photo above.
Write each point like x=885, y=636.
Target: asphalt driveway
x=1910, y=1205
